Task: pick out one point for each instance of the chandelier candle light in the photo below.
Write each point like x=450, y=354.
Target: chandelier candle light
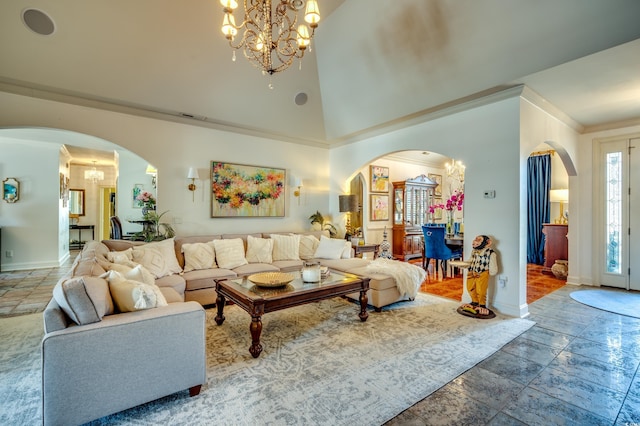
x=271, y=40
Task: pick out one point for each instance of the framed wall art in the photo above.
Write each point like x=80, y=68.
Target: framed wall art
x=137, y=190
x=379, y=207
x=379, y=178
x=437, y=191
x=240, y=190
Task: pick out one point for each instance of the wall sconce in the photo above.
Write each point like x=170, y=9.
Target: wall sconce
x=297, y=182
x=153, y=172
x=560, y=196
x=193, y=175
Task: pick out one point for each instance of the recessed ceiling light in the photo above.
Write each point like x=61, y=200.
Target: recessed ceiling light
x=38, y=21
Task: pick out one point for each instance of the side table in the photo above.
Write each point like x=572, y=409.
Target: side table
x=366, y=248
x=79, y=244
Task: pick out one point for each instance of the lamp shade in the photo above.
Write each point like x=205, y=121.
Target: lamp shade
x=348, y=203
x=193, y=173
x=559, y=195
x=151, y=170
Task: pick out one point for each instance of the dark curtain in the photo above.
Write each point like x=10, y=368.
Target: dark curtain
x=538, y=205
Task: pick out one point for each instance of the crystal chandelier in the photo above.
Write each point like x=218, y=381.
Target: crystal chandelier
x=455, y=170
x=94, y=175
x=271, y=39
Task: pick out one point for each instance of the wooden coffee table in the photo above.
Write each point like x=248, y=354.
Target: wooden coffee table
x=258, y=301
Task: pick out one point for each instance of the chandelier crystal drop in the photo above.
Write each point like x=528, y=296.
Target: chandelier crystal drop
x=271, y=38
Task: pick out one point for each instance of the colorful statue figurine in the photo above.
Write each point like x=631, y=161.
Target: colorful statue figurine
x=483, y=263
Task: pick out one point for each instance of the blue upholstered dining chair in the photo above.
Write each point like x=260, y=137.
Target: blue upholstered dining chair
x=436, y=248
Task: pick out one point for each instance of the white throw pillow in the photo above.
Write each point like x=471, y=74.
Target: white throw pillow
x=129, y=295
x=308, y=246
x=286, y=247
x=120, y=256
x=259, y=250
x=348, y=250
x=230, y=253
x=158, y=257
x=199, y=256
x=329, y=248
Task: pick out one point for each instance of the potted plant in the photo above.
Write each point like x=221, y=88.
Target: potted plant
x=156, y=230
x=324, y=225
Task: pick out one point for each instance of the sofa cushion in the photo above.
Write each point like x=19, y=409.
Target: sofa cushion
x=199, y=256
x=230, y=253
x=137, y=276
x=129, y=295
x=205, y=278
x=286, y=247
x=288, y=265
x=344, y=265
x=158, y=257
x=254, y=268
x=329, y=248
x=120, y=245
x=120, y=256
x=85, y=300
x=308, y=246
x=173, y=281
x=259, y=250
x=87, y=267
x=171, y=296
x=179, y=241
x=378, y=281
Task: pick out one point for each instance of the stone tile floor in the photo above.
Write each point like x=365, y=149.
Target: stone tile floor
x=577, y=366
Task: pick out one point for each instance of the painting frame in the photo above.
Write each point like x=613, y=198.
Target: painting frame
x=135, y=191
x=437, y=213
x=378, y=178
x=246, y=191
x=378, y=207
x=437, y=191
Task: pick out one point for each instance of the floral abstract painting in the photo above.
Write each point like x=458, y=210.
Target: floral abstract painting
x=239, y=190
x=379, y=178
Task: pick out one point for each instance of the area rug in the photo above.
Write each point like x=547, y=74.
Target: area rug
x=320, y=365
x=621, y=302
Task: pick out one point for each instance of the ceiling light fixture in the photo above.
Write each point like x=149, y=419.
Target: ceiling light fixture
x=270, y=40
x=94, y=175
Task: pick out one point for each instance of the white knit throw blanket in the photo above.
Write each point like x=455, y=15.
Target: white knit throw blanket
x=408, y=277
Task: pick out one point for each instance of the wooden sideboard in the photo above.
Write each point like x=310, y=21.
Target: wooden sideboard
x=556, y=245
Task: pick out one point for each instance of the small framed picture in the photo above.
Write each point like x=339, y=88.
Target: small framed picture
x=137, y=190
x=379, y=178
x=379, y=207
x=437, y=191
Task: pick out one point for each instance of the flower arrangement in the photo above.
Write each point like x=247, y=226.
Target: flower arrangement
x=147, y=199
x=454, y=202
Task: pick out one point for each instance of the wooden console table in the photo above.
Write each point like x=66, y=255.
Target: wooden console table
x=79, y=244
x=556, y=245
x=366, y=248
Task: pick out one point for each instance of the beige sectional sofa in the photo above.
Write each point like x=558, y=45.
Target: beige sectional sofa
x=97, y=360
x=200, y=284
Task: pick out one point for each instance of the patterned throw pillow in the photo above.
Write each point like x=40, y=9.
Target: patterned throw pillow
x=230, y=253
x=158, y=257
x=308, y=246
x=259, y=250
x=330, y=248
x=199, y=256
x=286, y=247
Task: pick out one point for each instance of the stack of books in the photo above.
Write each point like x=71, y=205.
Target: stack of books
x=324, y=272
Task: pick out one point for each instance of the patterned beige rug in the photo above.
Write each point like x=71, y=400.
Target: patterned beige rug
x=320, y=365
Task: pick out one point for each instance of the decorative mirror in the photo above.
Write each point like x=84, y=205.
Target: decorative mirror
x=10, y=190
x=76, y=202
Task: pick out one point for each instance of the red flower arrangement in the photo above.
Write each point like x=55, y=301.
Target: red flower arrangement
x=454, y=202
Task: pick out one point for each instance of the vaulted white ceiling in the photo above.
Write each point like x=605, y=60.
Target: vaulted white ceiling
x=374, y=62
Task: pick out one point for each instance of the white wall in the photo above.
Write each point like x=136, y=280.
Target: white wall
x=173, y=148
x=486, y=139
x=31, y=226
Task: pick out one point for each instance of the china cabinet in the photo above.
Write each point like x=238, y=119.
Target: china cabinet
x=411, y=201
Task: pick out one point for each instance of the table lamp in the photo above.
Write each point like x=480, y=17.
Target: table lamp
x=560, y=196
